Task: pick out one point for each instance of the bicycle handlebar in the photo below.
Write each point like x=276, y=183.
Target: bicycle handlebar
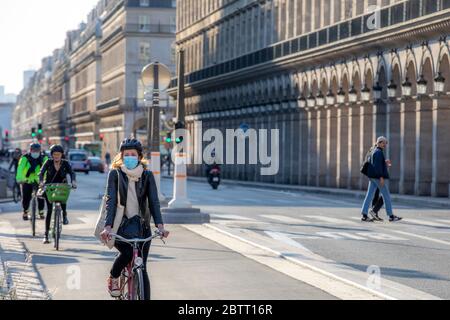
x=157, y=234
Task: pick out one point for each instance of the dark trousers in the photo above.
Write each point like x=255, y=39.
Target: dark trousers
x=48, y=219
x=377, y=202
x=27, y=193
x=124, y=258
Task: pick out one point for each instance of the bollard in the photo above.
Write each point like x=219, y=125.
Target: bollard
x=180, y=209
x=180, y=199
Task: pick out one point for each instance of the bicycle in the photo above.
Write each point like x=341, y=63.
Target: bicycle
x=57, y=194
x=132, y=278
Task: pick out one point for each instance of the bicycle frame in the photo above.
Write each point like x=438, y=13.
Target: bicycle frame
x=136, y=263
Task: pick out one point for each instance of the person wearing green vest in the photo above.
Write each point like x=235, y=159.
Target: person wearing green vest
x=28, y=175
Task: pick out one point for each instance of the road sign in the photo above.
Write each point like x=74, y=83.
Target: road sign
x=244, y=127
x=162, y=72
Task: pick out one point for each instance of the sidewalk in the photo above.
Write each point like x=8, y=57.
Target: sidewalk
x=405, y=199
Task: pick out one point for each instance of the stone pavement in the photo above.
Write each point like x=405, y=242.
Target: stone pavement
x=20, y=279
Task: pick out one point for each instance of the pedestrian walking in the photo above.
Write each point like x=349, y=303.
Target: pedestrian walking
x=108, y=160
x=378, y=174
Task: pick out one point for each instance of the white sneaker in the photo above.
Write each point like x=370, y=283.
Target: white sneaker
x=114, y=287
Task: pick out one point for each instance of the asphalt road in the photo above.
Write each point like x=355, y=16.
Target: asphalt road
x=414, y=253
x=188, y=267
x=411, y=257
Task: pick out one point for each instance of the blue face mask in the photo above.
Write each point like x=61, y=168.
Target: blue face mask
x=35, y=155
x=130, y=162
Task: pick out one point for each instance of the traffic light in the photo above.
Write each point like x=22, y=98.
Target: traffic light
x=6, y=136
x=40, y=131
x=169, y=138
x=33, y=132
x=178, y=126
x=102, y=137
x=179, y=140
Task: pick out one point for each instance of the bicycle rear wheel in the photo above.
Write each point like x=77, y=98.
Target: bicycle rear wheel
x=139, y=292
x=33, y=215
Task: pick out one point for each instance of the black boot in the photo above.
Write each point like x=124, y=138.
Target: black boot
x=46, y=241
x=25, y=216
x=65, y=220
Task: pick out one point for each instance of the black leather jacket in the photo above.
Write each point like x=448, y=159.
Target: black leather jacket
x=147, y=195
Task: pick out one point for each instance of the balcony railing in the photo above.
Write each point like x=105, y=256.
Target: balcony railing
x=151, y=28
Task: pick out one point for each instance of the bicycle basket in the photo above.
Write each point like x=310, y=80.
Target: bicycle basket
x=58, y=192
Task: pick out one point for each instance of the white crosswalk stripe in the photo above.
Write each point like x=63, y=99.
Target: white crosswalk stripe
x=230, y=217
x=426, y=223
x=285, y=219
x=332, y=220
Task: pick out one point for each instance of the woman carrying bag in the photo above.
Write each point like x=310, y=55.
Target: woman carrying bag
x=131, y=197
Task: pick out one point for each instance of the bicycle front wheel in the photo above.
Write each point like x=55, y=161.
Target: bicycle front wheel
x=139, y=292
x=57, y=226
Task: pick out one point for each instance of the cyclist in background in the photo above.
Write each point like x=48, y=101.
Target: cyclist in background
x=55, y=170
x=15, y=160
x=28, y=174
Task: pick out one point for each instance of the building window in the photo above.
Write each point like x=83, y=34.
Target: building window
x=144, y=23
x=144, y=3
x=144, y=53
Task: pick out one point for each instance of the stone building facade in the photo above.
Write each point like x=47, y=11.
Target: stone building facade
x=89, y=93
x=331, y=75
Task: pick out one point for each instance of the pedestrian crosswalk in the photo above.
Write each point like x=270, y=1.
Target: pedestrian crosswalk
x=321, y=219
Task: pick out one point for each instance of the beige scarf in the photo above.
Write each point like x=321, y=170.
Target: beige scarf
x=135, y=174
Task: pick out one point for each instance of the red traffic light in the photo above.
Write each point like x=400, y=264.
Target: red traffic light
x=6, y=133
x=67, y=139
x=102, y=136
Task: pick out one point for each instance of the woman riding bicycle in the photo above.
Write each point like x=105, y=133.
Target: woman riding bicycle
x=55, y=170
x=139, y=197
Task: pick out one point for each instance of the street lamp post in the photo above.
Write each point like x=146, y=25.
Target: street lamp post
x=157, y=77
x=180, y=210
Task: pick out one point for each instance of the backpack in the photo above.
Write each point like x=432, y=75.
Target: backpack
x=34, y=163
x=367, y=163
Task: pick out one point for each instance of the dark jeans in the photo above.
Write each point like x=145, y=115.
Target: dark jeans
x=377, y=202
x=27, y=193
x=48, y=219
x=125, y=257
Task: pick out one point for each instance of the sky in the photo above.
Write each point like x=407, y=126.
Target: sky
x=30, y=30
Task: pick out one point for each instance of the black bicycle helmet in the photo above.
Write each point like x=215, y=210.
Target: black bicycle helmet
x=56, y=148
x=131, y=144
x=35, y=146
